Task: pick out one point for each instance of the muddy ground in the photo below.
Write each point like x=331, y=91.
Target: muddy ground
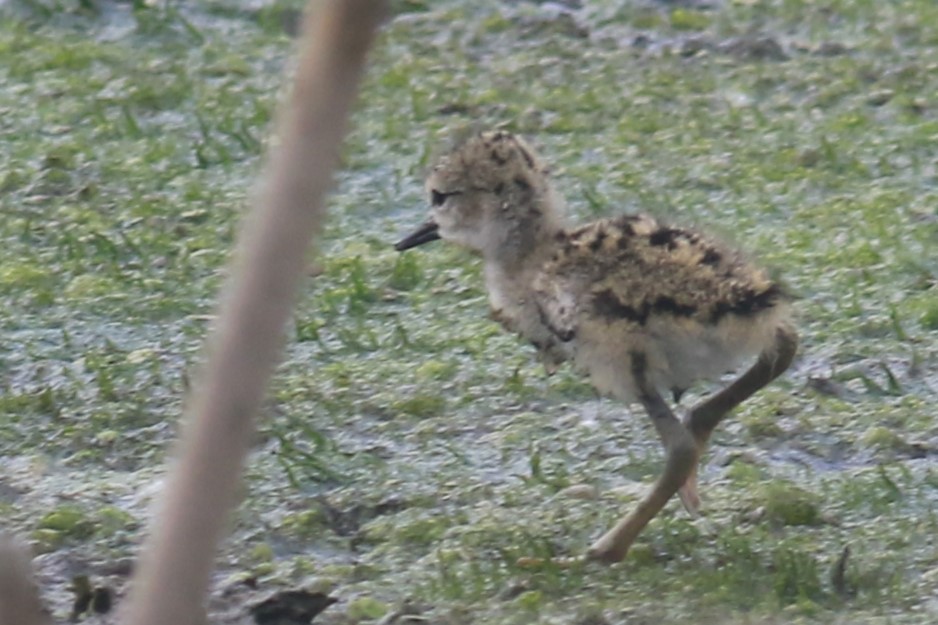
x=410, y=451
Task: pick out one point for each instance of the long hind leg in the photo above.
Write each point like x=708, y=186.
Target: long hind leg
x=684, y=442
x=705, y=416
x=682, y=457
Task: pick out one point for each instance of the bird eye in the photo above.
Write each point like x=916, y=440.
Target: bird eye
x=437, y=198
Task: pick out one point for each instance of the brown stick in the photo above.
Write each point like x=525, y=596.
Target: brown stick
x=19, y=597
x=177, y=558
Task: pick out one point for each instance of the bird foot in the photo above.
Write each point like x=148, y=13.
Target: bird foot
x=608, y=549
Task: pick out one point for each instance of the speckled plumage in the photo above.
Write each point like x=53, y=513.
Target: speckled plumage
x=641, y=306
x=693, y=307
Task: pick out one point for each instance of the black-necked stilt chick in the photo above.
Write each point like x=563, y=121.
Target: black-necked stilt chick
x=643, y=307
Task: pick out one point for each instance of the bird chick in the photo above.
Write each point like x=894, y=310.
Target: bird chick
x=641, y=307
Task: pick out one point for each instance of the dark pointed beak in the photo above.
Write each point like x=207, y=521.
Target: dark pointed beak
x=424, y=234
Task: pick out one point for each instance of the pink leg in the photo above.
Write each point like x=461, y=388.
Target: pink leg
x=684, y=442
x=682, y=457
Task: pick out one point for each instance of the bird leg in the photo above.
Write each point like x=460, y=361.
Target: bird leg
x=682, y=456
x=705, y=416
x=688, y=491
x=684, y=442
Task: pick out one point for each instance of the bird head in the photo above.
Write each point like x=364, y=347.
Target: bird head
x=490, y=192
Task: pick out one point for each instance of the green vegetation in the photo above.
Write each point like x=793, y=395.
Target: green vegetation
x=411, y=452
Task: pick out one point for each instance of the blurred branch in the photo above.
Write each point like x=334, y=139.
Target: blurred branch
x=176, y=560
x=19, y=596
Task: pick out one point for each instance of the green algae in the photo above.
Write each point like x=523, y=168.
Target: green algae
x=67, y=521
x=788, y=504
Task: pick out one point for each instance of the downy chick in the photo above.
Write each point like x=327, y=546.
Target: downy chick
x=642, y=307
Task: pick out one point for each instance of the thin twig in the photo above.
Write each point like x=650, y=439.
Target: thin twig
x=177, y=558
x=19, y=596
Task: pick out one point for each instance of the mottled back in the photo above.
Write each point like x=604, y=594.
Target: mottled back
x=693, y=308
x=632, y=268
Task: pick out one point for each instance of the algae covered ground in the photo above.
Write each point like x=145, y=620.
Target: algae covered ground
x=410, y=451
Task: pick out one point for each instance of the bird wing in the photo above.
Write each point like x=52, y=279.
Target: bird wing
x=557, y=305
x=623, y=272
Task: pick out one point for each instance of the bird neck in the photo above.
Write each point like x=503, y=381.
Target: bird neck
x=525, y=240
